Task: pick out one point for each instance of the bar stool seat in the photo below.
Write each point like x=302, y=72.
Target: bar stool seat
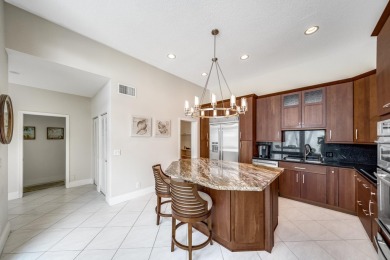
x=189, y=206
x=163, y=190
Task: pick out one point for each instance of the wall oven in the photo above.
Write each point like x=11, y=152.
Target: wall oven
x=382, y=240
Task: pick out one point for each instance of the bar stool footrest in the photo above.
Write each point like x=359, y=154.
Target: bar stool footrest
x=163, y=214
x=194, y=247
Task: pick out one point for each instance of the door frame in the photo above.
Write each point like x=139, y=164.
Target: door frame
x=96, y=153
x=20, y=144
x=195, y=152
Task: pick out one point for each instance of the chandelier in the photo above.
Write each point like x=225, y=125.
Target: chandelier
x=215, y=111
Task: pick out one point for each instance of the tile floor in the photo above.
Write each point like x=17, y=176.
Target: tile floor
x=76, y=223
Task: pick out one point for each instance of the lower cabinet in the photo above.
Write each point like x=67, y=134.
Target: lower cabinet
x=289, y=184
x=313, y=187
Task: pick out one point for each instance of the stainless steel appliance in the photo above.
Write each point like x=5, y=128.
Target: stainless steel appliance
x=264, y=150
x=383, y=187
x=224, y=140
x=265, y=162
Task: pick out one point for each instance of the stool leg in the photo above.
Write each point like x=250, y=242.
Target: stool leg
x=209, y=226
x=190, y=241
x=173, y=234
x=158, y=209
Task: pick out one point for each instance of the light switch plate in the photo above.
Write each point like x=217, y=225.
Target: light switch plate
x=117, y=152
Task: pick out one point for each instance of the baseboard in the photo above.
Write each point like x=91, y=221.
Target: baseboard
x=4, y=236
x=39, y=181
x=13, y=195
x=128, y=196
x=79, y=183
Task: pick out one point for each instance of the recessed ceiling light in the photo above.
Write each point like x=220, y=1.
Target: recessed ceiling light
x=14, y=72
x=171, y=56
x=312, y=30
x=204, y=74
x=244, y=57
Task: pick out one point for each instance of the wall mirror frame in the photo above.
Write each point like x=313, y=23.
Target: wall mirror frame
x=6, y=119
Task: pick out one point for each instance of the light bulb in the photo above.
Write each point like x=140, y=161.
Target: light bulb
x=196, y=101
x=232, y=101
x=186, y=104
x=213, y=98
x=214, y=112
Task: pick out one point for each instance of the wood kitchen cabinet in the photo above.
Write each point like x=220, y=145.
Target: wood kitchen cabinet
x=313, y=187
x=246, y=151
x=204, y=136
x=365, y=116
x=332, y=184
x=346, y=189
x=339, y=113
x=304, y=109
x=268, y=119
x=248, y=121
x=289, y=184
x=383, y=69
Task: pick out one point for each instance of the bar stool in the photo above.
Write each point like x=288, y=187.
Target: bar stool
x=162, y=190
x=189, y=206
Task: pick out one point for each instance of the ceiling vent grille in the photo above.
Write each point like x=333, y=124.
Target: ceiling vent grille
x=127, y=90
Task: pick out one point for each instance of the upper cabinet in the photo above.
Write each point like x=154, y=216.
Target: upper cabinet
x=248, y=121
x=268, y=117
x=304, y=109
x=339, y=113
x=383, y=69
x=365, y=116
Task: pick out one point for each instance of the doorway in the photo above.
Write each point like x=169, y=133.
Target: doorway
x=188, y=138
x=43, y=140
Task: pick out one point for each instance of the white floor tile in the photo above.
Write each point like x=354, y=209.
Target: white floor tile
x=228, y=255
x=147, y=218
x=293, y=214
x=308, y=250
x=23, y=220
x=209, y=252
x=141, y=237
x=59, y=255
x=98, y=219
x=137, y=253
x=279, y=252
x=18, y=238
x=78, y=239
x=345, y=229
x=109, y=238
x=73, y=220
x=165, y=253
x=22, y=256
x=96, y=255
x=287, y=231
x=343, y=250
x=45, y=221
x=314, y=230
x=364, y=246
x=124, y=219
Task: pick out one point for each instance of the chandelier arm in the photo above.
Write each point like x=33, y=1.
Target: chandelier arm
x=219, y=83
x=207, y=82
x=223, y=76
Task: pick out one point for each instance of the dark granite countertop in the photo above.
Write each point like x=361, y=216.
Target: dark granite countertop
x=365, y=169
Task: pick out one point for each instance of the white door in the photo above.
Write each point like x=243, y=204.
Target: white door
x=103, y=179
x=96, y=150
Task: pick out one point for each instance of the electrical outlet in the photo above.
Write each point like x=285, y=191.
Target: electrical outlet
x=138, y=185
x=329, y=154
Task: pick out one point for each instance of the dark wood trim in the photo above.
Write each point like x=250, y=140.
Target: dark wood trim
x=363, y=75
x=382, y=20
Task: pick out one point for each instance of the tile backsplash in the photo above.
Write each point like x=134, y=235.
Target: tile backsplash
x=351, y=153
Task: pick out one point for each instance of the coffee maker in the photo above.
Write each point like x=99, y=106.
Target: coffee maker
x=264, y=151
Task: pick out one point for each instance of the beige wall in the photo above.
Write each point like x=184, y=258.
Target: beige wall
x=159, y=95
x=44, y=101
x=43, y=159
x=4, y=226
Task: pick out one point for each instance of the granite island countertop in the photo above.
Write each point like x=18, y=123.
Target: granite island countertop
x=224, y=175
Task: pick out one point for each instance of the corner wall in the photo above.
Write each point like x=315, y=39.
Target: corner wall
x=4, y=224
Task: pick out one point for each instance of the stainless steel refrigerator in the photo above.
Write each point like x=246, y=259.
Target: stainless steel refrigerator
x=224, y=140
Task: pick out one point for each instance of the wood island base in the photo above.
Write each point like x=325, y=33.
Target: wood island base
x=244, y=220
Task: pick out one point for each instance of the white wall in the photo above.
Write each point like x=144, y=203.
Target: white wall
x=4, y=224
x=43, y=159
x=44, y=101
x=159, y=95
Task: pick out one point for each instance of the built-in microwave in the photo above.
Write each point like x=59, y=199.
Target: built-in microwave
x=384, y=145
x=383, y=128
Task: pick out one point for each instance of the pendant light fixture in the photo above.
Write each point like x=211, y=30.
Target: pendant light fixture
x=216, y=110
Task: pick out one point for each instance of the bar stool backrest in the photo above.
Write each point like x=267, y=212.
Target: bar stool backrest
x=186, y=201
x=161, y=181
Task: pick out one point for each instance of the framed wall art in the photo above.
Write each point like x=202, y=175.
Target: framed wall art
x=55, y=133
x=141, y=126
x=6, y=119
x=162, y=128
x=29, y=133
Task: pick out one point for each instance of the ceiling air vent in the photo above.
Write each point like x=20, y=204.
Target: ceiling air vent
x=126, y=90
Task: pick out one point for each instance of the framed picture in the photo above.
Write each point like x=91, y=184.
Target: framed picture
x=29, y=133
x=55, y=133
x=162, y=128
x=141, y=126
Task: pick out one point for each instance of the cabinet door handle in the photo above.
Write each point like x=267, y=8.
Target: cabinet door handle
x=359, y=180
x=300, y=168
x=365, y=212
x=240, y=135
x=387, y=105
x=373, y=193
x=278, y=133
x=356, y=134
x=296, y=177
x=330, y=134
x=359, y=203
x=207, y=136
x=366, y=186
x=369, y=207
x=303, y=178
x=332, y=171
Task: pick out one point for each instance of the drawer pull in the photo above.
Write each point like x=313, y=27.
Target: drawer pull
x=373, y=193
x=366, y=186
x=303, y=178
x=296, y=177
x=359, y=180
x=365, y=212
x=387, y=105
x=300, y=168
x=330, y=134
x=359, y=203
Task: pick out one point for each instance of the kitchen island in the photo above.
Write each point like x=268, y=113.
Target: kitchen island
x=245, y=200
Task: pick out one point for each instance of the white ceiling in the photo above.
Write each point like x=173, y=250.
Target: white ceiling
x=271, y=32
x=27, y=70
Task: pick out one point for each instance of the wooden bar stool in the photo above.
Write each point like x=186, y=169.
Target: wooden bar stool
x=162, y=190
x=189, y=206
